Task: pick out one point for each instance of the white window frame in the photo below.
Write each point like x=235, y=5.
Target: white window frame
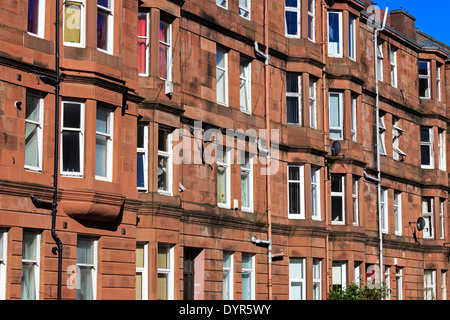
x=444, y=284
x=301, y=183
x=387, y=281
x=340, y=194
x=399, y=282
x=230, y=272
x=442, y=217
x=442, y=157
x=438, y=83
x=380, y=58
x=298, y=11
x=41, y=20
x=352, y=37
x=82, y=24
x=354, y=126
x=396, y=133
x=393, y=63
x=147, y=43
x=430, y=145
x=144, y=152
x=339, y=131
x=169, y=45
x=80, y=136
x=398, y=212
x=317, y=278
x=227, y=166
x=429, y=286
x=92, y=266
x=382, y=135
x=357, y=272
x=249, y=172
x=109, y=147
x=296, y=278
x=313, y=112
x=429, y=218
x=340, y=45
x=252, y=273
x=427, y=77
x=170, y=271
x=219, y=3
x=224, y=69
x=245, y=83
x=143, y=271
x=384, y=210
x=246, y=9
x=312, y=20
x=35, y=262
x=297, y=95
x=339, y=268
x=3, y=262
x=315, y=193
x=109, y=13
x=355, y=200
x=167, y=154
x=39, y=128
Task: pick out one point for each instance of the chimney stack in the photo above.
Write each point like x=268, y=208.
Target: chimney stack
x=403, y=22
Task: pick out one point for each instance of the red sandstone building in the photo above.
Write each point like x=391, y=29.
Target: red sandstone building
x=142, y=85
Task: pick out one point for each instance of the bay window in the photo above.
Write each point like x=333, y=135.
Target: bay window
x=337, y=199
x=293, y=98
x=292, y=18
x=336, y=115
x=335, y=36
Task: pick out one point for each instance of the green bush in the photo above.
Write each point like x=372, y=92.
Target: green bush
x=353, y=291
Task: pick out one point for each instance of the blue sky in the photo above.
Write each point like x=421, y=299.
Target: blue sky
x=432, y=16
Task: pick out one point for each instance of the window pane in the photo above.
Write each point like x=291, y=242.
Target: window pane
x=72, y=115
x=163, y=257
x=85, y=251
x=28, y=288
x=296, y=291
x=104, y=3
x=72, y=22
x=246, y=261
x=226, y=284
x=333, y=33
x=138, y=286
x=139, y=256
x=291, y=3
x=221, y=185
x=335, y=112
x=336, y=208
x=423, y=68
x=292, y=83
x=140, y=171
x=84, y=285
x=425, y=155
x=336, y=183
x=32, y=108
x=291, y=23
x=424, y=90
x=31, y=145
x=71, y=151
x=29, y=246
x=294, y=197
x=33, y=16
x=227, y=260
x=163, y=280
x=140, y=136
x=294, y=173
x=246, y=286
x=292, y=110
x=101, y=159
x=162, y=140
x=296, y=268
x=102, y=123
x=102, y=30
x=245, y=189
x=162, y=173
